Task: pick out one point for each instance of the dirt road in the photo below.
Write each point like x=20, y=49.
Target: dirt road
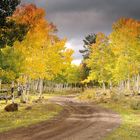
x=78, y=121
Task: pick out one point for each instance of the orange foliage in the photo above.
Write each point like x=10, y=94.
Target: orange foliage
x=33, y=17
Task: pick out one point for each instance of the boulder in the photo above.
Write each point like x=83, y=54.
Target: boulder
x=11, y=107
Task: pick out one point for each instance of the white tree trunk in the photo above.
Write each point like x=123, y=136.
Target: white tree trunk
x=104, y=87
x=128, y=84
x=110, y=85
x=40, y=88
x=137, y=83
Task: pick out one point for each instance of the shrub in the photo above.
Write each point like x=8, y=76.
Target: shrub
x=88, y=95
x=115, y=97
x=135, y=104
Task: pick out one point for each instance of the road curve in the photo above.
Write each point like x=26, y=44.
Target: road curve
x=78, y=121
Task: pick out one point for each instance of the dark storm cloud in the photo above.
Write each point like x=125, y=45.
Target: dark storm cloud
x=76, y=18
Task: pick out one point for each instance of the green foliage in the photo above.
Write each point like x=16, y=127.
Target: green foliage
x=71, y=74
x=7, y=8
x=11, y=64
x=10, y=31
x=88, y=42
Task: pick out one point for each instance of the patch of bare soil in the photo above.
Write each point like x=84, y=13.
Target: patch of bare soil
x=78, y=121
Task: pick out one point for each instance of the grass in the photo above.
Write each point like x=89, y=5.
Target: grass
x=126, y=107
x=130, y=127
x=87, y=95
x=23, y=118
x=93, y=95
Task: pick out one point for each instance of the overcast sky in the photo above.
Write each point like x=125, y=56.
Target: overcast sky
x=77, y=18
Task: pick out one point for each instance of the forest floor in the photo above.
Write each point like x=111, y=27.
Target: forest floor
x=79, y=120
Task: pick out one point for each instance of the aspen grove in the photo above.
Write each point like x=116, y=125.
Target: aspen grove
x=114, y=60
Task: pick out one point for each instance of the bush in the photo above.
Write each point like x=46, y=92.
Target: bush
x=87, y=95
x=135, y=104
x=116, y=96
x=102, y=100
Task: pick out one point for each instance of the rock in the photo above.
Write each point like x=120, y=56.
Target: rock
x=11, y=108
x=28, y=108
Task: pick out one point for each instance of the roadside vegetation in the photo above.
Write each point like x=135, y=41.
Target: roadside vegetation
x=111, y=67
x=34, y=112
x=127, y=106
x=130, y=127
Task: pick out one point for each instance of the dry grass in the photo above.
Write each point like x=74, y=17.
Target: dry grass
x=37, y=112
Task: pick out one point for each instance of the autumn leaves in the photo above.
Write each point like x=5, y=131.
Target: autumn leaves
x=115, y=59
x=41, y=54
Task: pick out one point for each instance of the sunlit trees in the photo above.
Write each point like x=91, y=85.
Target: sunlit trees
x=100, y=61
x=125, y=43
x=116, y=58
x=45, y=54
x=73, y=74
x=39, y=55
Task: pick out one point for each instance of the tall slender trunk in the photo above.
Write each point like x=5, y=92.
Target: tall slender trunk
x=110, y=84
x=104, y=87
x=37, y=85
x=122, y=85
x=137, y=83
x=12, y=92
x=24, y=94
x=27, y=90
x=40, y=88
x=0, y=83
x=128, y=83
